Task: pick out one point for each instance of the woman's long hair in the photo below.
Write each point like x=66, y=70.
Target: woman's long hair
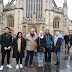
x=18, y=34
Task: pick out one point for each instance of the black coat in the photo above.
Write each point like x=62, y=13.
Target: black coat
x=66, y=37
x=42, y=43
x=58, y=45
x=71, y=40
x=15, y=47
x=5, y=42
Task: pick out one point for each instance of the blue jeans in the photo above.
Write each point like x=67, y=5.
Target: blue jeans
x=58, y=56
x=66, y=45
x=40, y=56
x=29, y=54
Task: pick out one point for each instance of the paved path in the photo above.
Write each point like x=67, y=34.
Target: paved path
x=65, y=65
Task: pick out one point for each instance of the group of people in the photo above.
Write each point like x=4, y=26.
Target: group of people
x=45, y=44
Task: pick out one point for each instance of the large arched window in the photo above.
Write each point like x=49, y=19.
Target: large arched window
x=34, y=6
x=10, y=21
x=56, y=23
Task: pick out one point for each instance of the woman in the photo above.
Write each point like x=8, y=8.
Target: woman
x=57, y=44
x=41, y=42
x=19, y=45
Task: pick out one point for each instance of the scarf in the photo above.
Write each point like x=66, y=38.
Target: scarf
x=56, y=38
x=32, y=35
x=55, y=41
x=42, y=35
x=7, y=35
x=19, y=45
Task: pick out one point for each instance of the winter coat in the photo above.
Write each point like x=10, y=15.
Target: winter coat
x=41, y=44
x=5, y=42
x=66, y=37
x=49, y=40
x=71, y=41
x=15, y=47
x=58, y=45
x=30, y=42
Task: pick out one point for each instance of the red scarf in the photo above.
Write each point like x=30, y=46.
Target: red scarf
x=7, y=35
x=32, y=35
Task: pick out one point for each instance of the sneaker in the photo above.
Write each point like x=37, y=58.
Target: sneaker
x=9, y=66
x=21, y=66
x=57, y=63
x=25, y=68
x=17, y=66
x=1, y=68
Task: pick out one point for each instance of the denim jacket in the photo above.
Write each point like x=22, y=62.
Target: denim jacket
x=49, y=40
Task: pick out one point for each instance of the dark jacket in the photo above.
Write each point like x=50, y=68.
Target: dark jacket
x=66, y=37
x=5, y=42
x=58, y=45
x=41, y=44
x=0, y=39
x=49, y=40
x=71, y=40
x=15, y=49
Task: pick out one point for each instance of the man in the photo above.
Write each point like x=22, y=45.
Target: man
x=66, y=37
x=30, y=47
x=6, y=41
x=49, y=42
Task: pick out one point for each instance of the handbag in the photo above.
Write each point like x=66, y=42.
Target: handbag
x=41, y=48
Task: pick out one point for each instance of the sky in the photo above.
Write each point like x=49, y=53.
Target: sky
x=59, y=4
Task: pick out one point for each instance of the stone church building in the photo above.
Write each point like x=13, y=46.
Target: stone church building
x=38, y=14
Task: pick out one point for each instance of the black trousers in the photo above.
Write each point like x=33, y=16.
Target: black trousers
x=47, y=55
x=8, y=57
x=18, y=58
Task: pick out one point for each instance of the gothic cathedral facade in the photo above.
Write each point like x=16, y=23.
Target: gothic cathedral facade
x=38, y=14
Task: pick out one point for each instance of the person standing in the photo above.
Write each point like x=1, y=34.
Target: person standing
x=49, y=42
x=66, y=37
x=6, y=42
x=70, y=42
x=41, y=42
x=30, y=47
x=19, y=45
x=57, y=45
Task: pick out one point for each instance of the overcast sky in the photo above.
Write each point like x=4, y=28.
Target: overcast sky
x=59, y=4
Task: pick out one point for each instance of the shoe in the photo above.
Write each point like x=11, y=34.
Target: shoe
x=21, y=66
x=1, y=68
x=31, y=65
x=9, y=66
x=17, y=66
x=57, y=63
x=42, y=64
x=25, y=68
x=39, y=65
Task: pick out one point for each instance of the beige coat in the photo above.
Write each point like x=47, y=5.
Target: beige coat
x=30, y=42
